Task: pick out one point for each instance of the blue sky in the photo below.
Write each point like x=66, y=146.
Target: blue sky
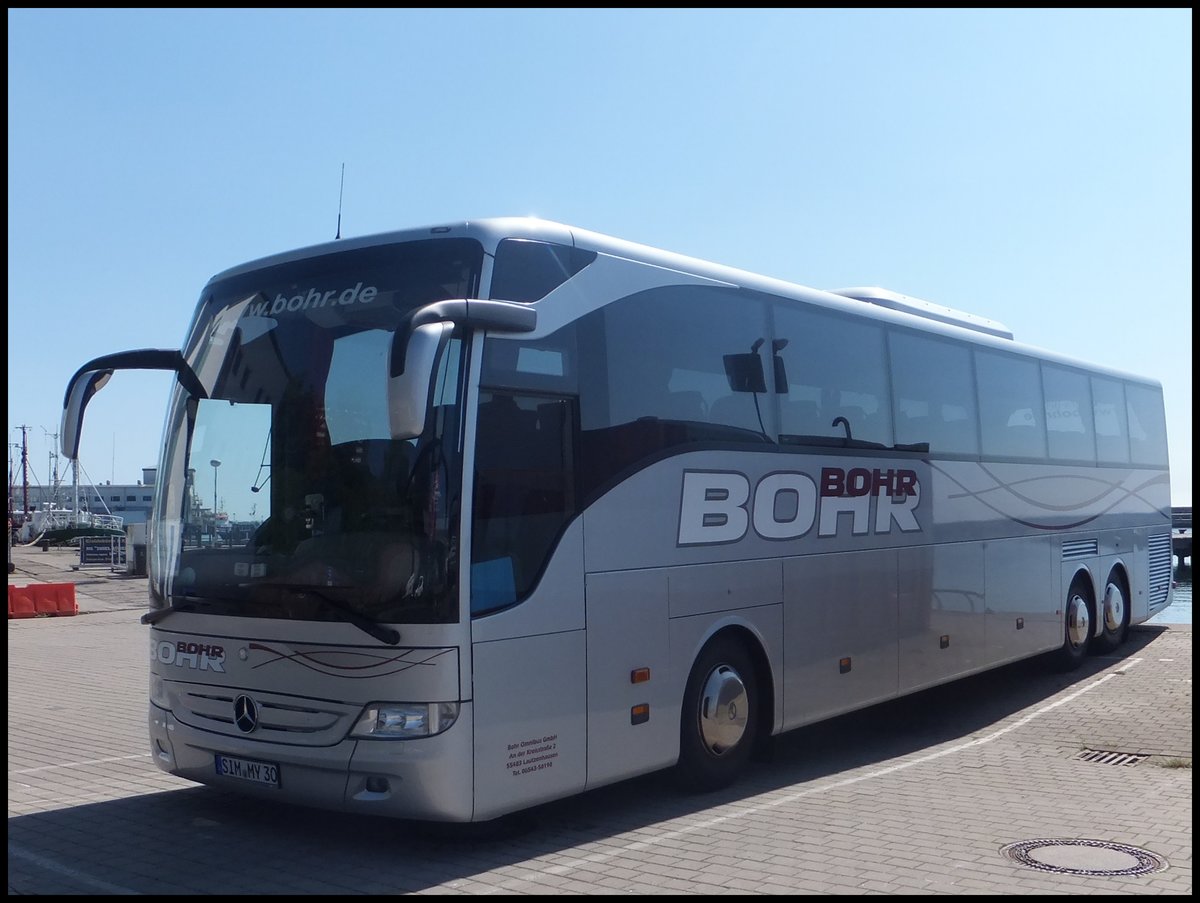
x=1032, y=166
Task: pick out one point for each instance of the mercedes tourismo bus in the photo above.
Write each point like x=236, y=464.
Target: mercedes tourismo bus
x=536, y=510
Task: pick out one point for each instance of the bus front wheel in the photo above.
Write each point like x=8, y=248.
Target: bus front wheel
x=719, y=720
x=1077, y=626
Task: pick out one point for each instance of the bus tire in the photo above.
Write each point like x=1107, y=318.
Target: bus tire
x=1114, y=615
x=719, y=720
x=1077, y=626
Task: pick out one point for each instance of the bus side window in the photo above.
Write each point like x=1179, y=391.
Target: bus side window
x=735, y=409
x=934, y=394
x=842, y=362
x=1069, y=415
x=653, y=372
x=1112, y=425
x=684, y=406
x=1011, y=408
x=507, y=426
x=524, y=493
x=1147, y=434
x=802, y=417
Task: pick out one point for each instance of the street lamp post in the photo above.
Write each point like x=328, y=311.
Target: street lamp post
x=215, y=464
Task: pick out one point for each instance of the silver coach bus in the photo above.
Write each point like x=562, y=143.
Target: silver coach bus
x=528, y=510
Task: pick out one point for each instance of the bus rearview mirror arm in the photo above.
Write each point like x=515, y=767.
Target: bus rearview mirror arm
x=418, y=343
x=497, y=316
x=95, y=374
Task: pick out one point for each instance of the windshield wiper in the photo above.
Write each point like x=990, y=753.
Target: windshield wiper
x=184, y=603
x=156, y=615
x=381, y=632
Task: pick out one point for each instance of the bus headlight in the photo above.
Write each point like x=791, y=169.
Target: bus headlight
x=405, y=720
x=158, y=692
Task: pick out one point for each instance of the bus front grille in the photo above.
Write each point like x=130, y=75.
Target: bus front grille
x=275, y=717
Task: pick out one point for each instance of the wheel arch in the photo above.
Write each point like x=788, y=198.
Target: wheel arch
x=1120, y=570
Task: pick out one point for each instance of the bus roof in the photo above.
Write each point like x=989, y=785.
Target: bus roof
x=490, y=231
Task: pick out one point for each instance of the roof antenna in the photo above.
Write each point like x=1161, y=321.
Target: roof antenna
x=340, y=187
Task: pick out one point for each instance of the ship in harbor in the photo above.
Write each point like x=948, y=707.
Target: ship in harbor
x=56, y=522
x=62, y=526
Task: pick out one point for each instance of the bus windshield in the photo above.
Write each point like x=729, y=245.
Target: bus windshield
x=283, y=494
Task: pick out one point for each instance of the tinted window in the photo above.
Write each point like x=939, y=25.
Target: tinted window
x=1112, y=431
x=1147, y=425
x=1070, y=424
x=666, y=353
x=528, y=270
x=1011, y=413
x=834, y=368
x=523, y=493
x=549, y=364
x=653, y=376
x=935, y=394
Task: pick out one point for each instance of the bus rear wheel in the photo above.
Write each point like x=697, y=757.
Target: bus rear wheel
x=1114, y=615
x=719, y=721
x=1077, y=631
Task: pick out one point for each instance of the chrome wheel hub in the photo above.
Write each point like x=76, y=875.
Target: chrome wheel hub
x=1079, y=622
x=1114, y=608
x=724, y=709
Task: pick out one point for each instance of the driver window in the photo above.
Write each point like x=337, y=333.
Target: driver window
x=523, y=492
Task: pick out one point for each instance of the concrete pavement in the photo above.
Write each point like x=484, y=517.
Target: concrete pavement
x=1022, y=781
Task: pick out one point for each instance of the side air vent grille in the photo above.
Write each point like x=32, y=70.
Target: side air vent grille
x=1080, y=548
x=1160, y=568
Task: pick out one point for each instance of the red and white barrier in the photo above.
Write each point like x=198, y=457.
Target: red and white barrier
x=42, y=600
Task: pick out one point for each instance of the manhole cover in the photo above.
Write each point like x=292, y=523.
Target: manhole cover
x=1084, y=857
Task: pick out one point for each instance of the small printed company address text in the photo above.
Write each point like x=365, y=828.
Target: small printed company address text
x=538, y=754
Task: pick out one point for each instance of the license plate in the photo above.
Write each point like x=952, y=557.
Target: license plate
x=248, y=770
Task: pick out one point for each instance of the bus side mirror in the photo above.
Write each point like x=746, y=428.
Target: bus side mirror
x=92, y=376
x=80, y=392
x=411, y=377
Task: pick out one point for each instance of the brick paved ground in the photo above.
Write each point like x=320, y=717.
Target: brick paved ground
x=916, y=796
